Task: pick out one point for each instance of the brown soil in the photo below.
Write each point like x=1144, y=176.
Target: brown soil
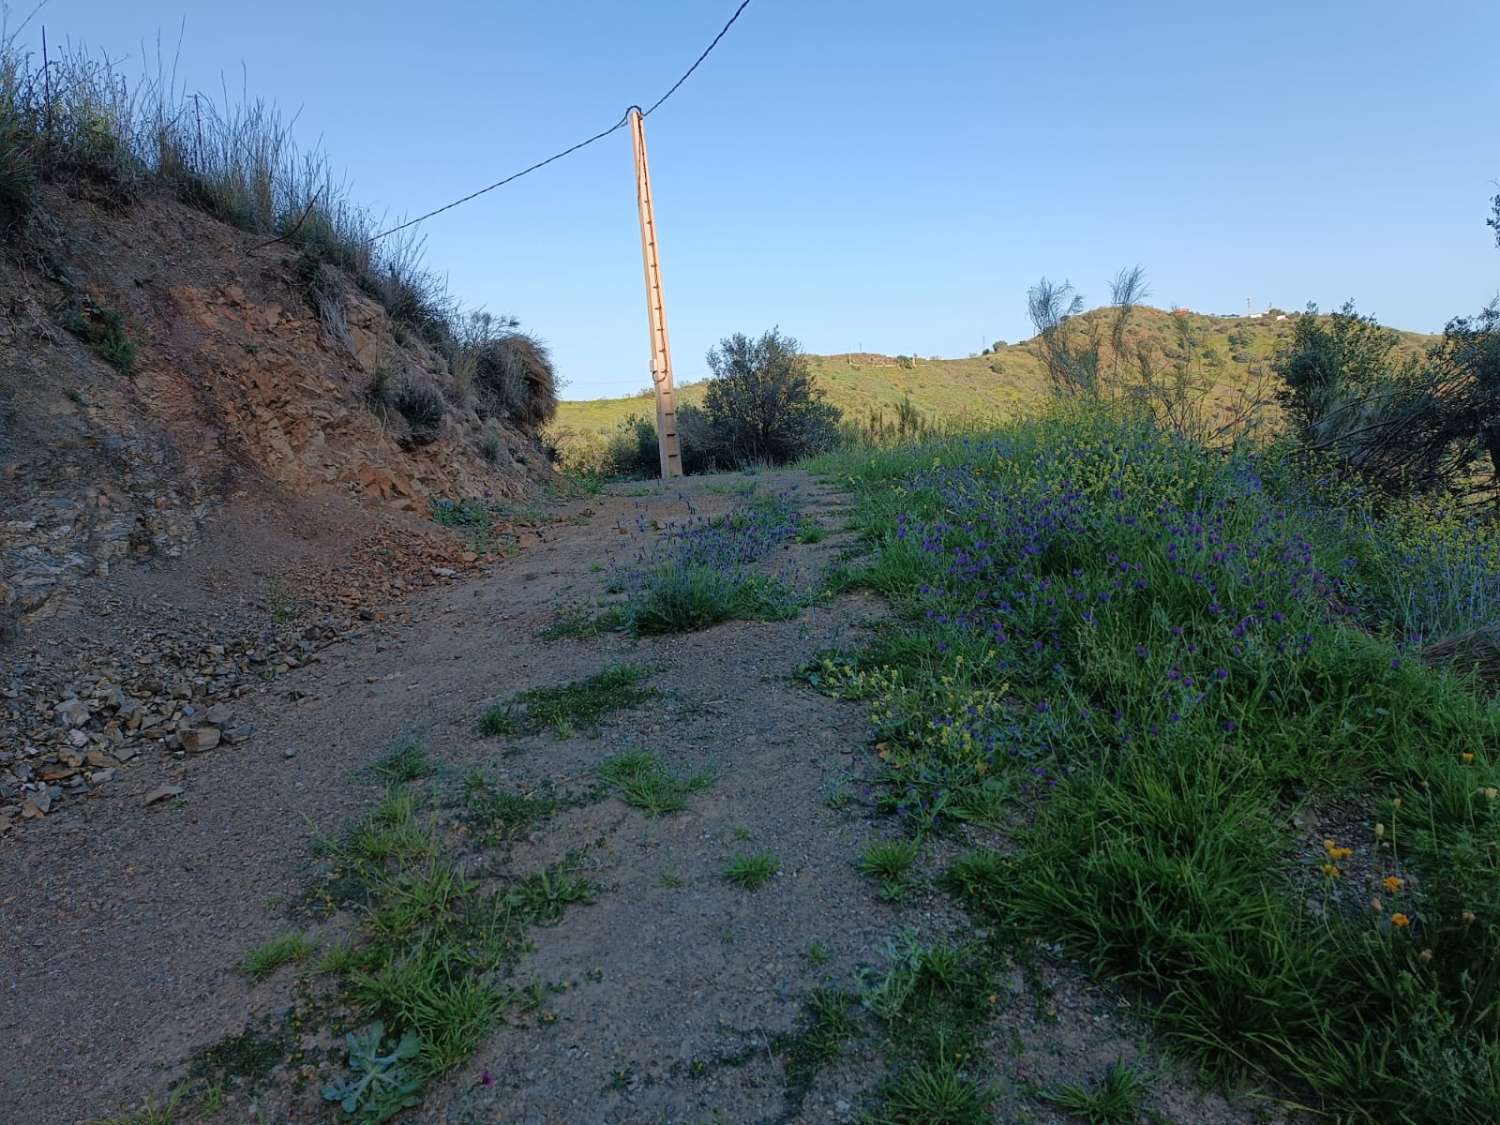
x=123, y=923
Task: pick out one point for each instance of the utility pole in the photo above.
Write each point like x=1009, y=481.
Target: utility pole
x=656, y=312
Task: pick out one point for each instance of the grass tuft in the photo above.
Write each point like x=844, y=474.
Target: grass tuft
x=751, y=870
x=1115, y=1100
x=890, y=861
x=406, y=761
x=579, y=705
x=284, y=949
x=643, y=781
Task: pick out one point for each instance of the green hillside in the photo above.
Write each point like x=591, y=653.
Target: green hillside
x=1231, y=351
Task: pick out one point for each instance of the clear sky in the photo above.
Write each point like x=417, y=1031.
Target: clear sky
x=882, y=175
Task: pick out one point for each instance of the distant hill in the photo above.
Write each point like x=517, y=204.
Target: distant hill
x=1228, y=350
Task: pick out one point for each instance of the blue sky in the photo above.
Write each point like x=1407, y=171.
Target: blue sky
x=888, y=176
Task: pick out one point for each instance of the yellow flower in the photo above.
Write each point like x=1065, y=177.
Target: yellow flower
x=1467, y=758
x=1328, y=846
x=1392, y=883
x=1399, y=920
x=1490, y=792
x=1330, y=870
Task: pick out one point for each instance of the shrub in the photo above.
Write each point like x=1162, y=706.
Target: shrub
x=492, y=445
x=514, y=378
x=632, y=450
x=1402, y=425
x=103, y=330
x=422, y=405
x=763, y=403
x=1327, y=355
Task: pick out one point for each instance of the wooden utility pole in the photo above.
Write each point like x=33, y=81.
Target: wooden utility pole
x=656, y=312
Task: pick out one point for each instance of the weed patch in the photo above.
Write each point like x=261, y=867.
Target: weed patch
x=751, y=870
x=643, y=781
x=1114, y=1100
x=701, y=575
x=103, y=330
x=406, y=761
x=890, y=862
x=284, y=949
x=579, y=705
x=499, y=815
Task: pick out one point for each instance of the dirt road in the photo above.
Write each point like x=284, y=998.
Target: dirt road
x=674, y=996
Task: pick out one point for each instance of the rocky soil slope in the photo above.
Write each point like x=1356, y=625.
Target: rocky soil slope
x=203, y=479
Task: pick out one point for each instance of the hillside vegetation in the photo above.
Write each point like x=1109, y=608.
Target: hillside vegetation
x=1188, y=697
x=1231, y=352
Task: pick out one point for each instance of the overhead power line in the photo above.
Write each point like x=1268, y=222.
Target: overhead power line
x=581, y=144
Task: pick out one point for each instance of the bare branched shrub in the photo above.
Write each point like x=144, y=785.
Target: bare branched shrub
x=1094, y=356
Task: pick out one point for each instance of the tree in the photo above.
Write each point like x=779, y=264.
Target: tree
x=763, y=403
x=1328, y=357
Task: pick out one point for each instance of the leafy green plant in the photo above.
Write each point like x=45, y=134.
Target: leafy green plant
x=381, y=1085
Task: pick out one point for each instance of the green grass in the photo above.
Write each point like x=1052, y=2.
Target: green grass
x=433, y=945
x=1114, y=1100
x=582, y=704
x=285, y=949
x=810, y=531
x=687, y=599
x=103, y=330
x=751, y=870
x=828, y=1025
x=500, y=815
x=151, y=1113
x=643, y=781
x=936, y=1093
x=581, y=623
x=935, y=1002
x=890, y=862
x=1134, y=657
x=406, y=761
